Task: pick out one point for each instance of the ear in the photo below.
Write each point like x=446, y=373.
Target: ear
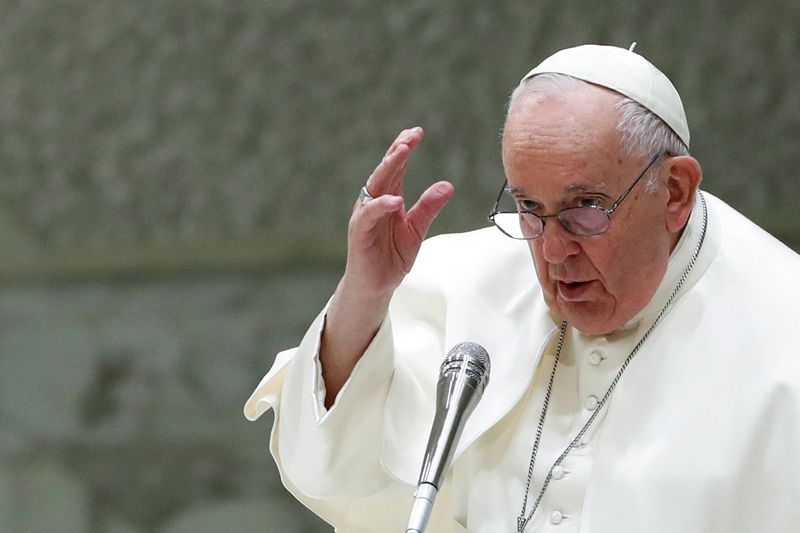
x=683, y=179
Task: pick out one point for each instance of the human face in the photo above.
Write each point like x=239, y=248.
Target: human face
x=563, y=150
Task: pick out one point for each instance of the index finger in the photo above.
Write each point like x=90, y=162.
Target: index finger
x=410, y=137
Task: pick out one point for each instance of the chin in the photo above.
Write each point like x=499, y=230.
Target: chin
x=590, y=318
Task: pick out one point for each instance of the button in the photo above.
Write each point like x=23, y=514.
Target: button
x=591, y=403
x=556, y=517
x=595, y=358
x=558, y=472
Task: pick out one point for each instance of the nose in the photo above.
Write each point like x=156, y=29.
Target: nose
x=557, y=243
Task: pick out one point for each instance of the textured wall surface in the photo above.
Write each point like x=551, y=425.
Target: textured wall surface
x=175, y=179
x=120, y=403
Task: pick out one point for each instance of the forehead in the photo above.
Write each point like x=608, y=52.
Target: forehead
x=568, y=137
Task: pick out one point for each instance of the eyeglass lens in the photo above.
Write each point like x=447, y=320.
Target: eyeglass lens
x=583, y=221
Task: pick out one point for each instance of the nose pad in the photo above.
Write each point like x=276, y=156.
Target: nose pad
x=557, y=243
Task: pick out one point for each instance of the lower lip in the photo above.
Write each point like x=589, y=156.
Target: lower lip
x=575, y=292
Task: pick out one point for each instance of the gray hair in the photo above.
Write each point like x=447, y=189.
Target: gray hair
x=642, y=133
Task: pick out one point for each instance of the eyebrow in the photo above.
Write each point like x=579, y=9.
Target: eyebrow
x=586, y=187
x=578, y=187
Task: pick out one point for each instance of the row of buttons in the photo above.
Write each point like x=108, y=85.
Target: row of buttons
x=590, y=403
x=556, y=517
x=595, y=358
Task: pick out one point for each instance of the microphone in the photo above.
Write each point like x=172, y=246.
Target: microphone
x=463, y=377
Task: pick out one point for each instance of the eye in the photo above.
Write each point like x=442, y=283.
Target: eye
x=525, y=205
x=589, y=202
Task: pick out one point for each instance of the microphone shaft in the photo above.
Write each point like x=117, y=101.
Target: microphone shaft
x=456, y=398
x=421, y=510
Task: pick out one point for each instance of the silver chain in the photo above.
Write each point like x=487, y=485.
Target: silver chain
x=523, y=519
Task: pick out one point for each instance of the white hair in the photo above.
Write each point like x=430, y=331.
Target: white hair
x=642, y=133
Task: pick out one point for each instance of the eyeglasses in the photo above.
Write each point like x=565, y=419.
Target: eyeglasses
x=583, y=221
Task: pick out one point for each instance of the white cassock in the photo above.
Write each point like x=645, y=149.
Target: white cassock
x=701, y=433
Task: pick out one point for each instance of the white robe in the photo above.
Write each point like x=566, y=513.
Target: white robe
x=702, y=433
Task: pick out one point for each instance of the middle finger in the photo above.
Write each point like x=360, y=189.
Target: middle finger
x=387, y=178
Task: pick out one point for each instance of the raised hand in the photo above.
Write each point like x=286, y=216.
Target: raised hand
x=383, y=239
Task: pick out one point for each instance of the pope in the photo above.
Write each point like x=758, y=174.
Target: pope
x=644, y=374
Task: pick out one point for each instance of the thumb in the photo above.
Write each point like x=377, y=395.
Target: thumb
x=422, y=214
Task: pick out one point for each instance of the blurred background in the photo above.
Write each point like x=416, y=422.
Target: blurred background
x=175, y=182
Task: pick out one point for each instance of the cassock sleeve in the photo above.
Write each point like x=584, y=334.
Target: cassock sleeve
x=327, y=453
x=358, y=461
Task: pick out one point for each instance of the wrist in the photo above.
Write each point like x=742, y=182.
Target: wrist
x=356, y=292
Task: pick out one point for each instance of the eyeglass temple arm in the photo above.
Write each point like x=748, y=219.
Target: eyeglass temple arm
x=493, y=212
x=625, y=194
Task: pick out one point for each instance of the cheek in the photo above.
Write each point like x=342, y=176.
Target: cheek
x=613, y=265
x=539, y=263
x=631, y=270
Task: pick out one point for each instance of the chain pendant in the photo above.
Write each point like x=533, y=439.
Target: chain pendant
x=521, y=522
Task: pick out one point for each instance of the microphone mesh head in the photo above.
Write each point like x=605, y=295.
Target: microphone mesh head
x=471, y=354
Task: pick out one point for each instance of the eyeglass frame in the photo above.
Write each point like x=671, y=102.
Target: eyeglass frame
x=542, y=218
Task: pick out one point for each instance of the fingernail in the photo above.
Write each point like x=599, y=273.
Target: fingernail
x=443, y=187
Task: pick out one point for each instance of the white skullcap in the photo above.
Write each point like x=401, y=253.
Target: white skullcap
x=625, y=72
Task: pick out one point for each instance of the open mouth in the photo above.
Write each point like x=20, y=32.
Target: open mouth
x=573, y=290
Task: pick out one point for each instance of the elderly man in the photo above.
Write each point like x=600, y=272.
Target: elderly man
x=644, y=377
